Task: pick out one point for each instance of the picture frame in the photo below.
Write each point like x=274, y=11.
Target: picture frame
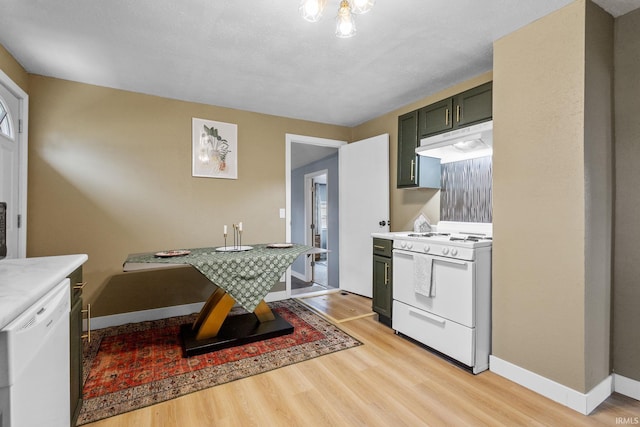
x=214, y=149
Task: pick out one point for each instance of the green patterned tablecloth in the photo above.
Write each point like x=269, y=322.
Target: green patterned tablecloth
x=247, y=276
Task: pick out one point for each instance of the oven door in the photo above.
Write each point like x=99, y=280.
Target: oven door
x=453, y=286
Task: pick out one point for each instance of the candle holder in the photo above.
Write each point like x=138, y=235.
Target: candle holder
x=235, y=236
x=237, y=240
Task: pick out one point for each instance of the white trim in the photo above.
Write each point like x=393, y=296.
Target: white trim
x=626, y=386
x=580, y=402
x=298, y=275
x=276, y=296
x=143, y=315
x=23, y=149
x=299, y=139
x=308, y=216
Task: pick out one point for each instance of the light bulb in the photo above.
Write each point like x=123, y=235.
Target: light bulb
x=311, y=10
x=345, y=21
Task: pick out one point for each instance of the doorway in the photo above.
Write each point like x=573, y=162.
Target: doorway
x=312, y=212
x=362, y=179
x=13, y=167
x=317, y=212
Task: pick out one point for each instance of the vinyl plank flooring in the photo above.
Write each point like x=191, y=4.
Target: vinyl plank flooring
x=387, y=381
x=340, y=306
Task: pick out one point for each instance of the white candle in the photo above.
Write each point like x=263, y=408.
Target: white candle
x=225, y=229
x=240, y=226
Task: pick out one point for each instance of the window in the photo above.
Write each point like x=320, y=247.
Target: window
x=5, y=123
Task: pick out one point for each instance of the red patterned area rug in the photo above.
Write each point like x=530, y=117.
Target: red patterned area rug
x=139, y=364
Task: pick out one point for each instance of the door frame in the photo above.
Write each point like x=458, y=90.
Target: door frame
x=298, y=139
x=309, y=212
x=22, y=137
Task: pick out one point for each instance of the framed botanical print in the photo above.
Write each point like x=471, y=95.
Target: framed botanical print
x=214, y=149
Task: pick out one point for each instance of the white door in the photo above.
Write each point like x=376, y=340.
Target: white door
x=364, y=205
x=9, y=173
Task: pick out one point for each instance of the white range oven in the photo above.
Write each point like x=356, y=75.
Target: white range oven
x=442, y=293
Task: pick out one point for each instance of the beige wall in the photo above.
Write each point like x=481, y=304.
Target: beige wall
x=598, y=142
x=546, y=296
x=407, y=204
x=13, y=69
x=110, y=175
x=626, y=295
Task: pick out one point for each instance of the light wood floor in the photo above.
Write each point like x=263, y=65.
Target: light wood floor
x=388, y=381
x=340, y=307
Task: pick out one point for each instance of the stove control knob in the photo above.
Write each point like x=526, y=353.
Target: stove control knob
x=409, y=245
x=403, y=245
x=427, y=248
x=454, y=252
x=445, y=250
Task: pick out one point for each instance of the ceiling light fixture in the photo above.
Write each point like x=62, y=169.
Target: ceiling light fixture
x=312, y=10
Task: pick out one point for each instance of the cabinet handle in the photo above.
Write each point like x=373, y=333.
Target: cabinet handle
x=386, y=273
x=79, y=285
x=413, y=165
x=446, y=117
x=458, y=109
x=378, y=247
x=88, y=334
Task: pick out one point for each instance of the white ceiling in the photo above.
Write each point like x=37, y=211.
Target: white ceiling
x=261, y=56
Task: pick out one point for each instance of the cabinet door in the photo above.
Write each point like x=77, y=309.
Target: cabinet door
x=435, y=118
x=75, y=329
x=75, y=343
x=474, y=105
x=430, y=172
x=407, y=144
x=382, y=285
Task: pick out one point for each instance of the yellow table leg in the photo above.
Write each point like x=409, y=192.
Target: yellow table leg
x=263, y=312
x=212, y=315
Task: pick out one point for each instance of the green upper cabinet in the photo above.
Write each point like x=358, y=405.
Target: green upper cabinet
x=435, y=118
x=465, y=109
x=407, y=143
x=474, y=105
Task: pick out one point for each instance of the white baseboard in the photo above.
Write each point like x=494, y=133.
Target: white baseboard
x=626, y=386
x=144, y=315
x=298, y=275
x=580, y=402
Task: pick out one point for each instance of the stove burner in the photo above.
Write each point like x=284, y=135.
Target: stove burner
x=465, y=239
x=427, y=234
x=470, y=238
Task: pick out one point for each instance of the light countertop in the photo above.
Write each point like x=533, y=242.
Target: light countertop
x=23, y=281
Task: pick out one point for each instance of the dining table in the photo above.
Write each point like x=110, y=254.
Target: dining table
x=242, y=275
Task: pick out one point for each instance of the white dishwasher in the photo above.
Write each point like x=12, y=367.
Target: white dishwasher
x=34, y=364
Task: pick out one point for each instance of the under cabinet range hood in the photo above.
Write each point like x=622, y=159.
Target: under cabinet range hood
x=461, y=144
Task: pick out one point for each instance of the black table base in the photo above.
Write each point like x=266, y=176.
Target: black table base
x=236, y=330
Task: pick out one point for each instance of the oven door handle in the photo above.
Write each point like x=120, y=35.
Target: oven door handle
x=400, y=252
x=427, y=316
x=450, y=261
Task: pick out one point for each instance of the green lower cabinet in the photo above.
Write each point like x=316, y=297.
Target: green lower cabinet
x=382, y=288
x=75, y=344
